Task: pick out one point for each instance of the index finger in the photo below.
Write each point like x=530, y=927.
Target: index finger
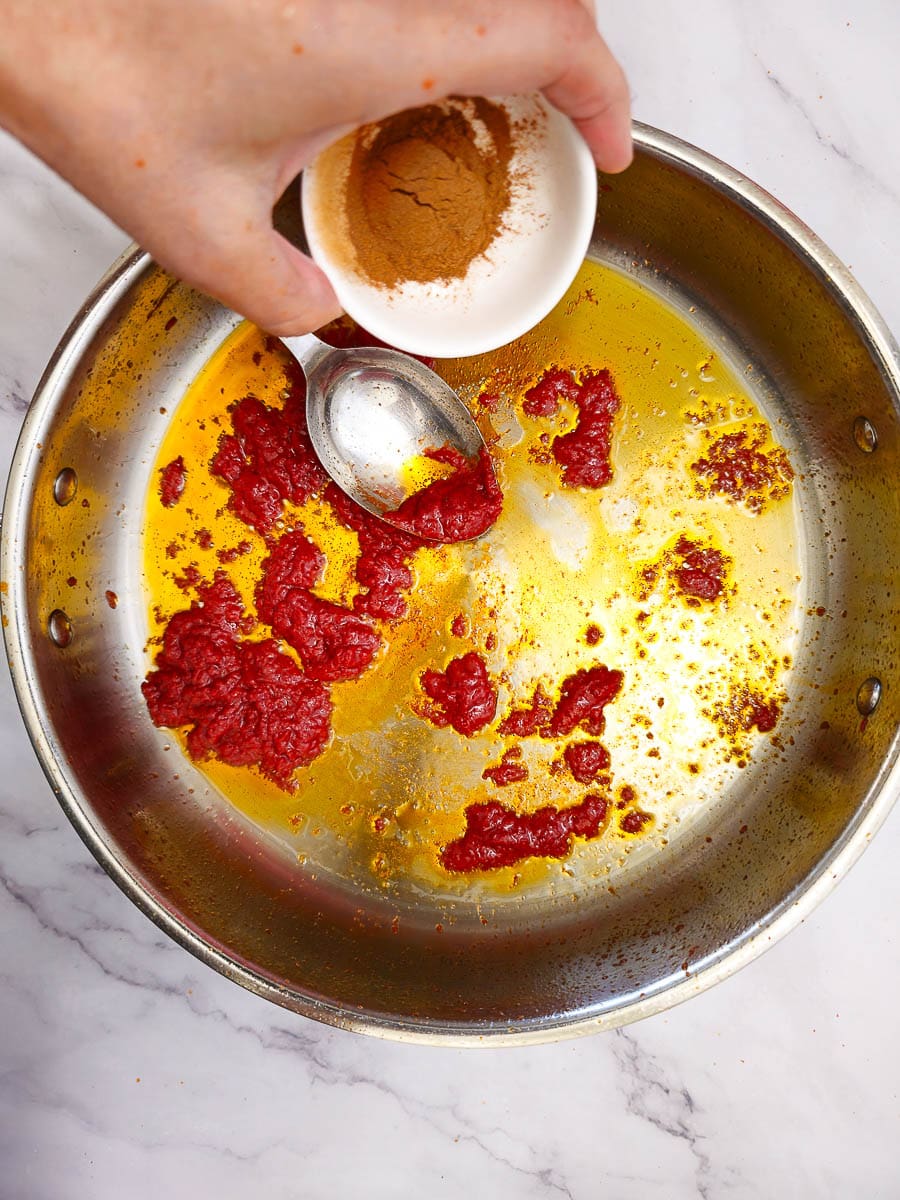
x=593, y=91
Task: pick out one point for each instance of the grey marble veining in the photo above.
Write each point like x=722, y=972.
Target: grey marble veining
x=128, y=1069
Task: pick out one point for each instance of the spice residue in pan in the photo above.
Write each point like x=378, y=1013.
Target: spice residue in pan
x=589, y=673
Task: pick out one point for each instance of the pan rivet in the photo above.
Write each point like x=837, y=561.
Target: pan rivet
x=60, y=628
x=65, y=486
x=865, y=435
x=869, y=696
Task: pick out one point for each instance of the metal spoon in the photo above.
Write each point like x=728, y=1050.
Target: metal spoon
x=372, y=410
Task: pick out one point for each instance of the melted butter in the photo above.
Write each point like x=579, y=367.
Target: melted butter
x=391, y=789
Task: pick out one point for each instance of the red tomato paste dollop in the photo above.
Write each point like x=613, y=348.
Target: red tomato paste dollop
x=582, y=700
x=508, y=771
x=461, y=506
x=269, y=457
x=634, y=821
x=745, y=710
x=527, y=722
x=584, y=452
x=171, y=482
x=382, y=568
x=230, y=553
x=247, y=703
x=542, y=400
x=496, y=836
x=586, y=760
x=333, y=642
x=463, y=695
x=701, y=573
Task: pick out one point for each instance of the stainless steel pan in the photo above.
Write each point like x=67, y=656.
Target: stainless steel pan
x=825, y=367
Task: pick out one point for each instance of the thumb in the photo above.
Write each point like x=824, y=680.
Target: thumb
x=241, y=261
x=281, y=289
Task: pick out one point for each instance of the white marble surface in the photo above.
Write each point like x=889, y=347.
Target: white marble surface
x=128, y=1069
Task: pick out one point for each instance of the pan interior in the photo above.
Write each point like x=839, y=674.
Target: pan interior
x=566, y=580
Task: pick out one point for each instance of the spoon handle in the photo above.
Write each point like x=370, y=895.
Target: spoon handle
x=308, y=350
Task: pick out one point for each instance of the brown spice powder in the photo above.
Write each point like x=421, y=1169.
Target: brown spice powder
x=426, y=193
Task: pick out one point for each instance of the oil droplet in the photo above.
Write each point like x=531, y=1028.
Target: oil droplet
x=59, y=628
x=865, y=435
x=869, y=696
x=65, y=486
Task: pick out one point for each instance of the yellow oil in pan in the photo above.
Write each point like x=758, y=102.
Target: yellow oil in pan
x=391, y=789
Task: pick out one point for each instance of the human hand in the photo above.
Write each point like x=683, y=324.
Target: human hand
x=184, y=120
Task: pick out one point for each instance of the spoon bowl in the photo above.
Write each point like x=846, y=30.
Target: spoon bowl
x=371, y=411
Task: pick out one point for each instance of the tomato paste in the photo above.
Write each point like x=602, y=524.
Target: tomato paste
x=736, y=466
x=508, y=771
x=245, y=701
x=765, y=716
x=634, y=821
x=172, y=479
x=189, y=579
x=382, y=568
x=463, y=505
x=459, y=626
x=495, y=836
x=583, y=697
x=760, y=713
x=333, y=642
x=295, y=562
x=269, y=458
x=586, y=760
x=542, y=400
x=582, y=700
x=583, y=453
x=528, y=721
x=230, y=553
x=701, y=573
x=745, y=710
x=463, y=695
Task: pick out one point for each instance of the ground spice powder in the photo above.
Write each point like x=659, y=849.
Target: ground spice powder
x=427, y=189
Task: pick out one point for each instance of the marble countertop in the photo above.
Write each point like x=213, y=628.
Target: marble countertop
x=129, y=1069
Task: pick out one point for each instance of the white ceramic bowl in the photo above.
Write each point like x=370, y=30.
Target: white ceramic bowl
x=507, y=290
